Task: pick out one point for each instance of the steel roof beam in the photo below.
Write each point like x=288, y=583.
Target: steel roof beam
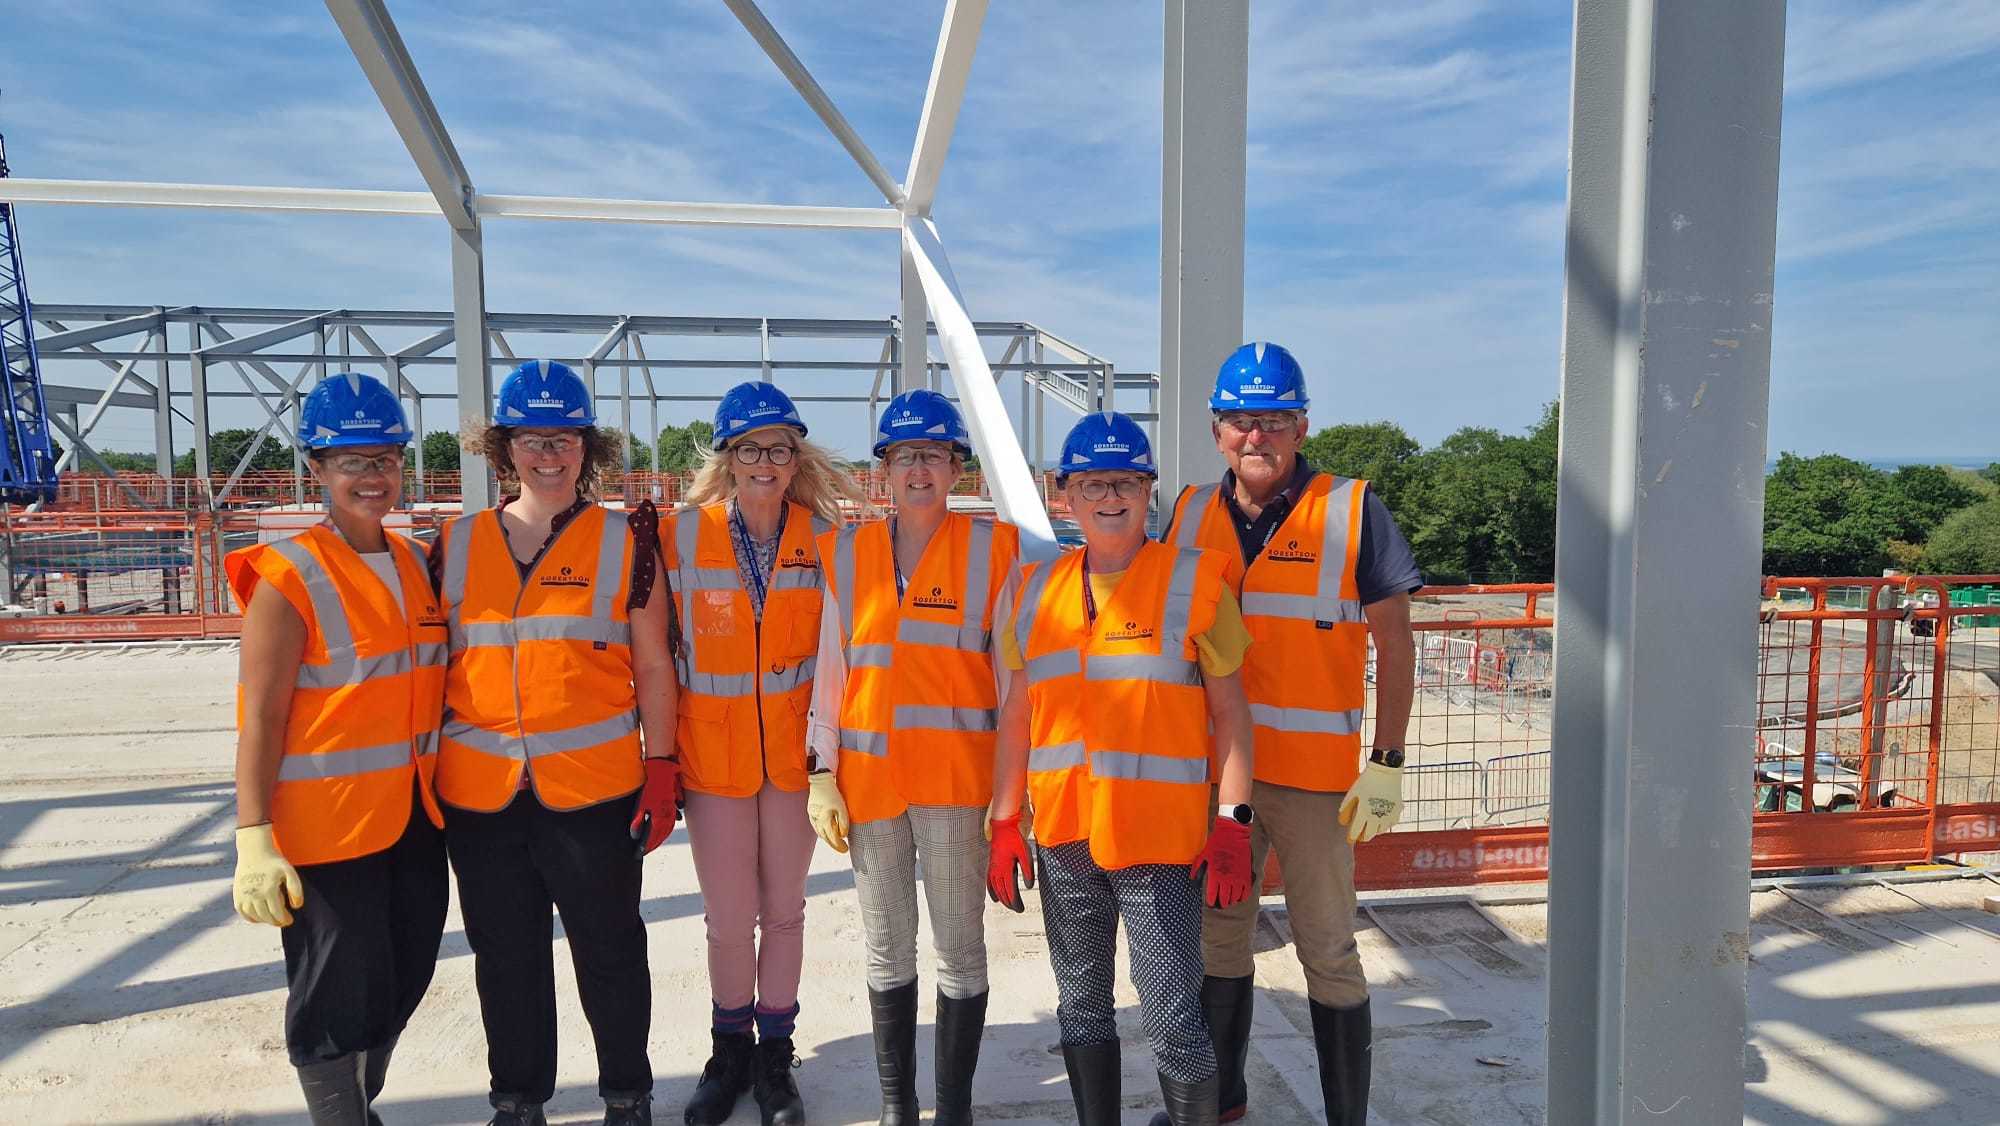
x=958, y=38
x=91, y=334
x=372, y=36
x=802, y=80
x=246, y=345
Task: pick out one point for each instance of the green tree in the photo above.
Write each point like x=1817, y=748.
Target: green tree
x=680, y=447
x=1992, y=472
x=225, y=449
x=441, y=451
x=1377, y=452
x=1828, y=515
x=126, y=463
x=1924, y=496
x=1967, y=542
x=1480, y=506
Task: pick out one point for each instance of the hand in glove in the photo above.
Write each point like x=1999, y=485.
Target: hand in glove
x=267, y=886
x=1227, y=856
x=653, y=818
x=1377, y=796
x=1009, y=856
x=827, y=809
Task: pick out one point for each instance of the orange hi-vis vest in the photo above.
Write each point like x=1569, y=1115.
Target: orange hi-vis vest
x=364, y=716
x=920, y=705
x=1305, y=674
x=541, y=669
x=746, y=683
x=1119, y=744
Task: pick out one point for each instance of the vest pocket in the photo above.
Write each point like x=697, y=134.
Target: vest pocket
x=707, y=754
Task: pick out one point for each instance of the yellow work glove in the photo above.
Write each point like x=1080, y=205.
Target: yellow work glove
x=827, y=809
x=1377, y=796
x=265, y=881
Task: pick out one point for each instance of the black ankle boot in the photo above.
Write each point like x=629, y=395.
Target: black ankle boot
x=960, y=1024
x=894, y=1013
x=509, y=1111
x=1188, y=1104
x=334, y=1095
x=1342, y=1037
x=628, y=1110
x=723, y=1080
x=776, y=1093
x=1227, y=1002
x=1093, y=1081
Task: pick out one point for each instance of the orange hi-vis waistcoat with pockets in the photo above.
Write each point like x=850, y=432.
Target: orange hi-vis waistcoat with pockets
x=746, y=684
x=364, y=716
x=1118, y=737
x=541, y=670
x=920, y=705
x=1309, y=641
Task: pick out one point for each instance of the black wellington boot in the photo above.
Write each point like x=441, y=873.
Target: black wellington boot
x=375, y=1075
x=1094, y=1081
x=1342, y=1037
x=334, y=1096
x=960, y=1024
x=1228, y=1002
x=723, y=1080
x=894, y=1012
x=776, y=1093
x=1188, y=1104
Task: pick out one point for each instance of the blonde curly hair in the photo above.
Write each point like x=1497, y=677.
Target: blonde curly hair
x=819, y=485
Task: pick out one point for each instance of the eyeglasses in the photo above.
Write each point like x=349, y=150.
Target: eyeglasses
x=1277, y=422
x=746, y=454
x=538, y=444
x=907, y=456
x=354, y=465
x=1127, y=488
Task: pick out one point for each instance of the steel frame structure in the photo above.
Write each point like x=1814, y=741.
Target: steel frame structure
x=274, y=353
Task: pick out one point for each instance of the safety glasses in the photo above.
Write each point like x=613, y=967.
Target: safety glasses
x=547, y=444
x=355, y=465
x=1276, y=422
x=905, y=456
x=747, y=454
x=1127, y=488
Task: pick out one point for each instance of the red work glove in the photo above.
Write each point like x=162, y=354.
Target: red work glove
x=1009, y=855
x=1227, y=855
x=653, y=818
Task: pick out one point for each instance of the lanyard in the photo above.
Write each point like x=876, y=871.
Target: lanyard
x=1089, y=599
x=896, y=564
x=746, y=548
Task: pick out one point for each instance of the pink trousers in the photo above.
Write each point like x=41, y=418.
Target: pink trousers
x=751, y=856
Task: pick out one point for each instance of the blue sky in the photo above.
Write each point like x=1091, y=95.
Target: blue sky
x=1406, y=183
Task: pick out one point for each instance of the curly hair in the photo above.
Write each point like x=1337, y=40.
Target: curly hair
x=818, y=486
x=601, y=449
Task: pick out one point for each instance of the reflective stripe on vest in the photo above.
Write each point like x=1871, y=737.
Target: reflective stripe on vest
x=343, y=667
x=1131, y=765
x=1324, y=606
x=343, y=764
x=1162, y=667
x=545, y=743
x=687, y=544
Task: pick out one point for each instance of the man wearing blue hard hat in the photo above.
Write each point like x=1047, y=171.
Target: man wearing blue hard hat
x=338, y=839
x=557, y=751
x=1322, y=570
x=1127, y=712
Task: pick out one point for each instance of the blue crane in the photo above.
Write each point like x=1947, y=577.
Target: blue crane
x=27, y=455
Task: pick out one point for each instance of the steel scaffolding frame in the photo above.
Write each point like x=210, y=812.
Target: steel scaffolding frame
x=275, y=353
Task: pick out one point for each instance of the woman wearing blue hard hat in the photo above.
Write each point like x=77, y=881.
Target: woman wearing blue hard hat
x=555, y=795
x=341, y=682
x=744, y=563
x=905, y=698
x=1131, y=651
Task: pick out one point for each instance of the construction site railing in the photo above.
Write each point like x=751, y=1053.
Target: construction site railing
x=1877, y=740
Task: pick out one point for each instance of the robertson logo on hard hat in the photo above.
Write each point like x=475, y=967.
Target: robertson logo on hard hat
x=545, y=403
x=909, y=419
x=1111, y=446
x=1257, y=387
x=361, y=421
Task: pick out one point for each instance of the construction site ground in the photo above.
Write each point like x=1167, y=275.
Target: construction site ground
x=133, y=995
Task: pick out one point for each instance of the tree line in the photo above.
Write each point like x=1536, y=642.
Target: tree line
x=1480, y=506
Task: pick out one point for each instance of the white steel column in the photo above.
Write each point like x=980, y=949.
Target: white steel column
x=163, y=406
x=1666, y=385
x=475, y=368
x=1201, y=225
x=914, y=343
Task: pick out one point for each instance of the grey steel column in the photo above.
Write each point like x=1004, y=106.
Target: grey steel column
x=198, y=411
x=913, y=370
x=163, y=411
x=475, y=372
x=1201, y=224
x=1666, y=385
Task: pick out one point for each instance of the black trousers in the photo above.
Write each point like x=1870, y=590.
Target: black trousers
x=360, y=953
x=513, y=866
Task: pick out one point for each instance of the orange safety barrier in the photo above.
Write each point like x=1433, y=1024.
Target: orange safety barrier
x=1878, y=737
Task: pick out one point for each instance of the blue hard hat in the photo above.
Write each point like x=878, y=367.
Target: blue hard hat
x=752, y=406
x=1106, y=441
x=544, y=393
x=1259, y=377
x=351, y=409
x=921, y=415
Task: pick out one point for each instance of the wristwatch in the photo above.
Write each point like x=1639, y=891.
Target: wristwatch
x=1241, y=813
x=1391, y=757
